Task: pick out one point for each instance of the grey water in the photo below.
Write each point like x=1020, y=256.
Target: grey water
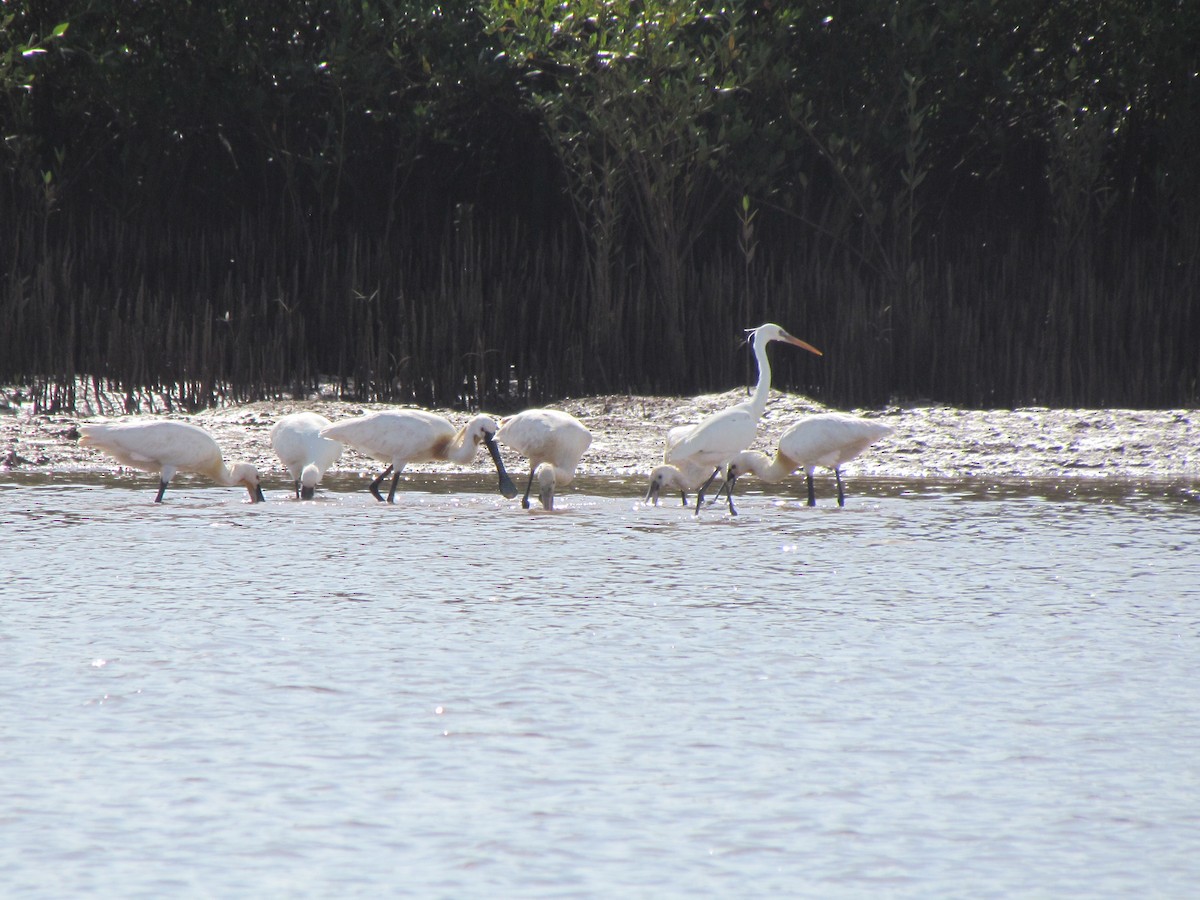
x=943, y=689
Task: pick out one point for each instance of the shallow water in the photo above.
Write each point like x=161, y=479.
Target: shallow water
x=944, y=689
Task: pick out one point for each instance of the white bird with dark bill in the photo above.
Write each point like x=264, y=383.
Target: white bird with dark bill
x=721, y=436
x=683, y=475
x=828, y=440
x=297, y=441
x=552, y=441
x=166, y=447
x=403, y=436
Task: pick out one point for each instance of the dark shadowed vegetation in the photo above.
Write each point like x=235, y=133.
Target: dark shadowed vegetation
x=983, y=202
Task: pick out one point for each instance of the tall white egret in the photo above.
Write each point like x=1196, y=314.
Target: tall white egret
x=719, y=437
x=553, y=441
x=828, y=440
x=403, y=436
x=297, y=441
x=165, y=447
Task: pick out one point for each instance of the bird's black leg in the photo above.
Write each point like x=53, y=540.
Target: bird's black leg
x=392, y=490
x=297, y=483
x=162, y=489
x=812, y=494
x=374, y=488
x=729, y=482
x=683, y=497
x=704, y=487
x=720, y=490
x=841, y=495
x=528, y=488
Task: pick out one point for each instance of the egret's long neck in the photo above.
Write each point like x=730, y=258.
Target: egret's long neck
x=758, y=400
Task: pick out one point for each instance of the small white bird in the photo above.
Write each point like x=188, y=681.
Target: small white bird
x=553, y=441
x=297, y=441
x=684, y=478
x=828, y=440
x=166, y=447
x=403, y=436
x=721, y=436
x=683, y=475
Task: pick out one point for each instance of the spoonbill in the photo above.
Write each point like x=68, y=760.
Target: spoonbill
x=403, y=436
x=297, y=441
x=683, y=475
x=719, y=437
x=164, y=447
x=828, y=440
x=553, y=441
x=684, y=478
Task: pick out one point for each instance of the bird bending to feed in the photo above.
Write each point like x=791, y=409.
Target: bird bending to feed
x=719, y=437
x=552, y=441
x=166, y=447
x=297, y=441
x=828, y=440
x=684, y=475
x=403, y=436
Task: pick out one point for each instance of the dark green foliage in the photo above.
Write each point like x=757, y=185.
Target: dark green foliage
x=498, y=203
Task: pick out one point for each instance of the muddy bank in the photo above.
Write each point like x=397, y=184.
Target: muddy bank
x=929, y=441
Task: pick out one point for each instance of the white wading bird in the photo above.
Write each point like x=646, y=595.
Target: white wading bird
x=553, y=442
x=721, y=436
x=164, y=448
x=403, y=436
x=297, y=442
x=828, y=440
x=684, y=475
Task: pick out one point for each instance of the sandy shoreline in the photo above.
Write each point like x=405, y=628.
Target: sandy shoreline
x=930, y=441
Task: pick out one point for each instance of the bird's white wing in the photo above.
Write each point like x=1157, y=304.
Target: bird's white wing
x=716, y=439
x=829, y=440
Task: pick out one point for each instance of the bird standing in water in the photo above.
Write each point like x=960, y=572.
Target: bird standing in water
x=165, y=447
x=683, y=475
x=297, y=441
x=719, y=437
x=553, y=441
x=400, y=437
x=828, y=440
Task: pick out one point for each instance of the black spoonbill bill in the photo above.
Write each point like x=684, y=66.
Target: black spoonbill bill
x=297, y=441
x=164, y=448
x=403, y=436
x=718, y=438
x=552, y=441
x=828, y=440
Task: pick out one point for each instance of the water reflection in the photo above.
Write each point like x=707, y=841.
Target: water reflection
x=420, y=485
x=945, y=688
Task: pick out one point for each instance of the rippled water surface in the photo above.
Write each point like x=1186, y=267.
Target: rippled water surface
x=940, y=690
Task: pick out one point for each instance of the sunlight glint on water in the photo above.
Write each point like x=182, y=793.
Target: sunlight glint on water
x=932, y=692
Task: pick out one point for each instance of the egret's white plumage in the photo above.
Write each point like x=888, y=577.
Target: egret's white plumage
x=553, y=442
x=297, y=441
x=828, y=440
x=400, y=437
x=166, y=447
x=713, y=442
